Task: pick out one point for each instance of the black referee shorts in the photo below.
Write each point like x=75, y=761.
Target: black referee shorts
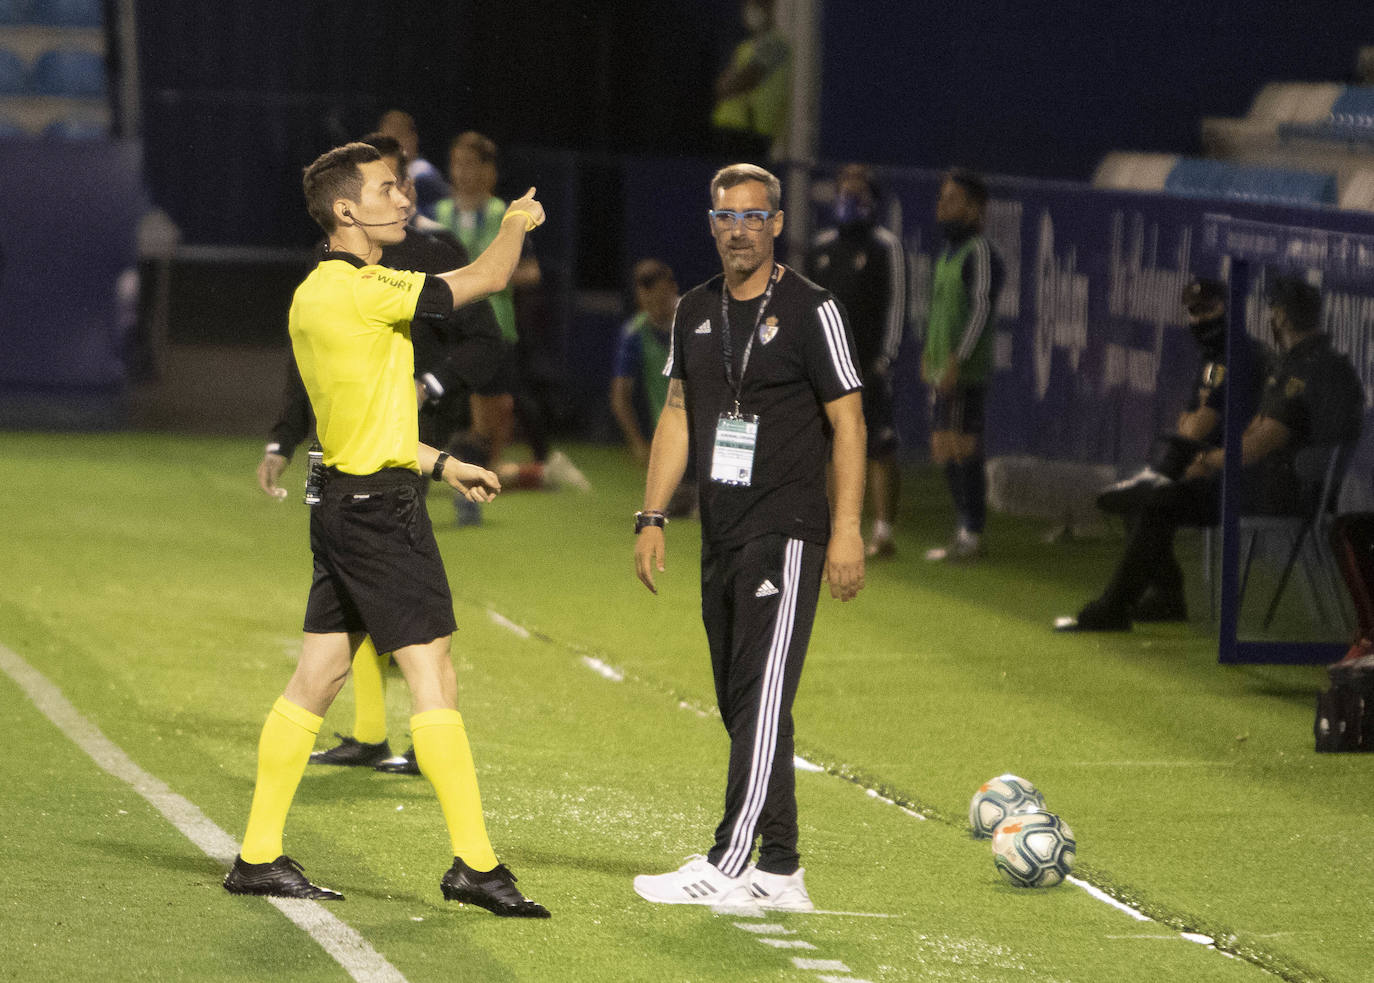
x=377, y=565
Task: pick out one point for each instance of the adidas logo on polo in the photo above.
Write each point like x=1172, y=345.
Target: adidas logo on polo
x=766, y=589
x=704, y=327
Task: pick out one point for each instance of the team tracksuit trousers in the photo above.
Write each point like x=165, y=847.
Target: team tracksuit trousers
x=758, y=603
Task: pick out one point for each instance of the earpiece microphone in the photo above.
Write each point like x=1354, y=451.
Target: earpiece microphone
x=371, y=225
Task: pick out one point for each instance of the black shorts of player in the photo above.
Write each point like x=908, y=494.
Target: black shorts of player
x=960, y=411
x=505, y=374
x=377, y=565
x=479, y=362
x=879, y=417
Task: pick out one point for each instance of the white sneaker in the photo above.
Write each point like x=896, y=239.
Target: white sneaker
x=698, y=881
x=1148, y=477
x=560, y=470
x=779, y=892
x=965, y=546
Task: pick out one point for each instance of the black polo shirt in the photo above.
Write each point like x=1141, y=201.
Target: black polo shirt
x=802, y=357
x=1315, y=392
x=863, y=265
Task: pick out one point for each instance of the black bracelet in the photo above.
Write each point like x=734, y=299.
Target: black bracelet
x=651, y=518
x=437, y=473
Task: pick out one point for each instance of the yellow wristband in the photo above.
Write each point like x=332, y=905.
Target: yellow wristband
x=530, y=223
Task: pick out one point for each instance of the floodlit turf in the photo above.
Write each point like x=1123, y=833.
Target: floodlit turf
x=152, y=583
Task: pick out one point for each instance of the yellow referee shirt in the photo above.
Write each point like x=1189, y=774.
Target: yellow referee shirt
x=350, y=331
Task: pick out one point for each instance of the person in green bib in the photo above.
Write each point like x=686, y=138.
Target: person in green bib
x=638, y=386
x=473, y=215
x=956, y=363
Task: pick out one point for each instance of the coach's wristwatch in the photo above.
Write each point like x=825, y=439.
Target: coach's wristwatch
x=651, y=518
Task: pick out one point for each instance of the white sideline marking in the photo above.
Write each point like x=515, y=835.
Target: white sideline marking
x=840, y=979
x=1106, y=898
x=602, y=669
x=507, y=624
x=786, y=943
x=349, y=949
x=820, y=965
x=801, y=764
x=769, y=928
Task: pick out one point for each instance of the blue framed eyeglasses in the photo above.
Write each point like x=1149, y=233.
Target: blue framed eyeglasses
x=724, y=220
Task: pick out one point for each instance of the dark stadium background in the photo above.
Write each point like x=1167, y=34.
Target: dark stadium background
x=605, y=108
x=240, y=95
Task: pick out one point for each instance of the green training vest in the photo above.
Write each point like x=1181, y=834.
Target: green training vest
x=949, y=311
x=476, y=237
x=653, y=356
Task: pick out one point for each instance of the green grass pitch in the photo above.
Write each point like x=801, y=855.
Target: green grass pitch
x=161, y=592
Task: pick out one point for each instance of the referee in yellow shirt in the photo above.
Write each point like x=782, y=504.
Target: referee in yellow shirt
x=378, y=570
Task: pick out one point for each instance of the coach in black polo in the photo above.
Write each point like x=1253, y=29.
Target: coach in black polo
x=764, y=391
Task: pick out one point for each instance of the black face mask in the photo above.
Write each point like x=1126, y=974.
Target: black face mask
x=1210, y=336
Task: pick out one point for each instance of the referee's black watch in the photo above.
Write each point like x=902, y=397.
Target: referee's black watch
x=643, y=519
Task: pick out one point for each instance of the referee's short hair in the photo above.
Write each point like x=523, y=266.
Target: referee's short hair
x=335, y=175
x=728, y=177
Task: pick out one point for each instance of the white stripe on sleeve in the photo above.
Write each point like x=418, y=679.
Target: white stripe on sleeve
x=840, y=360
x=981, y=311
x=896, y=299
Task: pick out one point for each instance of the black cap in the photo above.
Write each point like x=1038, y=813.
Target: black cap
x=1202, y=292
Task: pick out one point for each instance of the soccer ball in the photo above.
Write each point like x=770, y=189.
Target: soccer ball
x=1034, y=849
x=998, y=799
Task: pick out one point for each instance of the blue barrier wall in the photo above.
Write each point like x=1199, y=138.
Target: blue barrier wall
x=67, y=231
x=1094, y=355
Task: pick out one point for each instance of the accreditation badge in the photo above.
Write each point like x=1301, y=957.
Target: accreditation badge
x=732, y=459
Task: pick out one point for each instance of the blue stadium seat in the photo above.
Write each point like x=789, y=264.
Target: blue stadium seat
x=1352, y=118
x=66, y=13
x=76, y=129
x=1196, y=178
x=68, y=72
x=13, y=75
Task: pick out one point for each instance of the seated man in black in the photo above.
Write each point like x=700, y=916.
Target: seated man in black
x=1199, y=427
x=1312, y=398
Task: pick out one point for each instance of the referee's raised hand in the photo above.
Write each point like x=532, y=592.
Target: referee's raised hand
x=528, y=207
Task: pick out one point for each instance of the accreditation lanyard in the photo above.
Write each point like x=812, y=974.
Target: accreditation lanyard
x=737, y=434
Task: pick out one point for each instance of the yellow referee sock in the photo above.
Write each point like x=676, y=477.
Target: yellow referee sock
x=369, y=694
x=442, y=752
x=283, y=750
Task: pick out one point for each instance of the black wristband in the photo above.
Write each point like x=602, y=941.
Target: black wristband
x=643, y=519
x=437, y=473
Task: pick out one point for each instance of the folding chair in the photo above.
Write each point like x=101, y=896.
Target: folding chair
x=1321, y=470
